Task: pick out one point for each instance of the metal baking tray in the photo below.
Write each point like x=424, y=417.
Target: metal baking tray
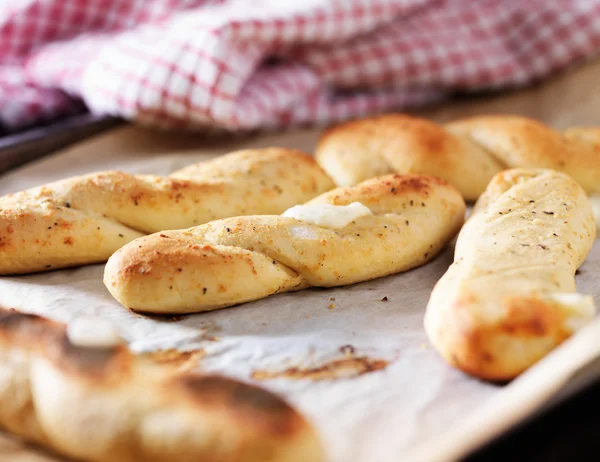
x=563, y=429
x=24, y=146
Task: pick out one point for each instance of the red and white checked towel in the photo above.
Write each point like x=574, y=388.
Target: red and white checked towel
x=244, y=64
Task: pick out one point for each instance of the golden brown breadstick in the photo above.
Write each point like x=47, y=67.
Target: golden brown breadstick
x=509, y=297
x=467, y=152
x=89, y=398
x=84, y=219
x=379, y=227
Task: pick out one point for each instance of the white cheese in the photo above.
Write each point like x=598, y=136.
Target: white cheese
x=90, y=332
x=328, y=215
x=577, y=308
x=595, y=201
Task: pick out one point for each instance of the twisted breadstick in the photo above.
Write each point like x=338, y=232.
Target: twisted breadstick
x=85, y=219
x=107, y=405
x=235, y=260
x=509, y=297
x=466, y=153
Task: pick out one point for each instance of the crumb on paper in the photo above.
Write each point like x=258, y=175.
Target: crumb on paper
x=384, y=299
x=210, y=328
x=348, y=350
x=345, y=368
x=331, y=306
x=332, y=299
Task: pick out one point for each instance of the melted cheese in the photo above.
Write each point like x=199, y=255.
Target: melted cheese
x=577, y=308
x=328, y=215
x=91, y=332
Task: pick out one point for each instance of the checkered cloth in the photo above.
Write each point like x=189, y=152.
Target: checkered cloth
x=245, y=64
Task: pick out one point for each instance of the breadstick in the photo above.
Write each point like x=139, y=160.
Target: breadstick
x=84, y=219
x=466, y=153
x=509, y=297
x=379, y=227
x=87, y=397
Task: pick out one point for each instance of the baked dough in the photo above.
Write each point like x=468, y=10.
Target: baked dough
x=84, y=219
x=235, y=260
x=466, y=153
x=108, y=405
x=509, y=297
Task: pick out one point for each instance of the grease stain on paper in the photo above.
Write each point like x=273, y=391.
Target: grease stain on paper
x=344, y=368
x=182, y=360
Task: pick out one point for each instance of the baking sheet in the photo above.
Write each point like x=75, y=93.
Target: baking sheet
x=361, y=416
x=354, y=360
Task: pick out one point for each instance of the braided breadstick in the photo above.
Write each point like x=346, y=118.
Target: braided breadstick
x=466, y=153
x=235, y=260
x=85, y=219
x=509, y=297
x=104, y=404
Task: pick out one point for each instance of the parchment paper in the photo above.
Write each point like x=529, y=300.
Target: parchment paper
x=414, y=408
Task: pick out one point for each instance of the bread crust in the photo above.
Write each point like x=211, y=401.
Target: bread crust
x=467, y=152
x=494, y=313
x=235, y=260
x=106, y=405
x=84, y=219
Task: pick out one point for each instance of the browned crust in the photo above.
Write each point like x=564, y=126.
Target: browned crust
x=257, y=411
x=369, y=125
x=248, y=404
x=49, y=338
x=526, y=318
x=396, y=184
x=532, y=317
x=432, y=143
